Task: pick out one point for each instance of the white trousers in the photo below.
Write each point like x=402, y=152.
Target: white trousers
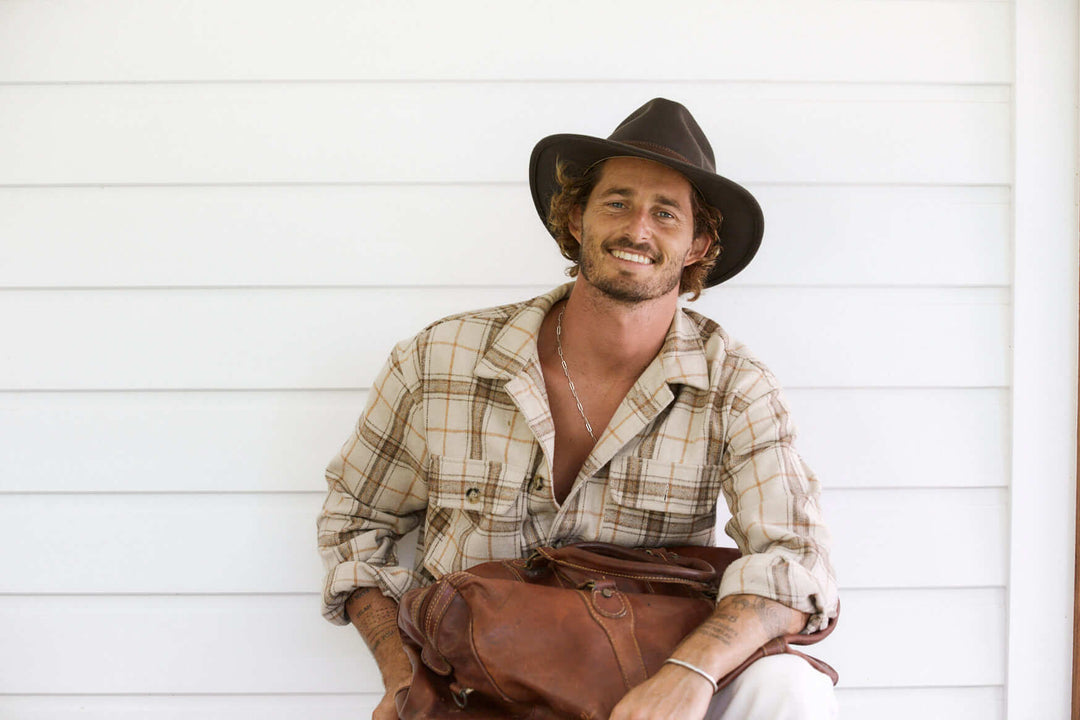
x=778, y=687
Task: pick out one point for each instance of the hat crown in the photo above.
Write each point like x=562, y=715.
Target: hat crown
x=667, y=128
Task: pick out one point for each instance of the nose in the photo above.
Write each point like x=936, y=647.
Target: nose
x=640, y=225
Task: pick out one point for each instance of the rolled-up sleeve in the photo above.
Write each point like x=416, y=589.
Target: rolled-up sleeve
x=377, y=490
x=776, y=517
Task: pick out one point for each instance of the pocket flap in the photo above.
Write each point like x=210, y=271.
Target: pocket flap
x=490, y=488
x=664, y=486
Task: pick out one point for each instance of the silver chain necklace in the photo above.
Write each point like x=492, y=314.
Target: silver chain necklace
x=562, y=360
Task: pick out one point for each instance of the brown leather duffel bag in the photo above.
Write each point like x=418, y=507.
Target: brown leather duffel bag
x=564, y=633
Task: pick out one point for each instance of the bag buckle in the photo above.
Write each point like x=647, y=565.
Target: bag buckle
x=461, y=697
x=534, y=557
x=590, y=585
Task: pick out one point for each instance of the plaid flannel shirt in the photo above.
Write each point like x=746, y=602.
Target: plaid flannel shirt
x=457, y=436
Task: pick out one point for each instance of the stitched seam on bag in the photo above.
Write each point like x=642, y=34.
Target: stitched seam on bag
x=646, y=578
x=444, y=606
x=624, y=604
x=448, y=596
x=423, y=622
x=605, y=571
x=611, y=639
x=514, y=571
x=633, y=636
x=426, y=624
x=425, y=630
x=415, y=609
x=445, y=599
x=663, y=555
x=482, y=666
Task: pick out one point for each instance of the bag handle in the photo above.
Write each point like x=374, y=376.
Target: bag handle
x=666, y=565
x=641, y=565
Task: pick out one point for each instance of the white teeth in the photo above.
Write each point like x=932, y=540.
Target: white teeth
x=632, y=257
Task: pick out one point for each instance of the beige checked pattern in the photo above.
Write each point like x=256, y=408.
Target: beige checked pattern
x=457, y=437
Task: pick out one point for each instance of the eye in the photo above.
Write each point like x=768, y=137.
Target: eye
x=666, y=215
x=617, y=204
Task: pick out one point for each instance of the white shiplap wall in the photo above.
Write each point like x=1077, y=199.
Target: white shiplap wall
x=216, y=218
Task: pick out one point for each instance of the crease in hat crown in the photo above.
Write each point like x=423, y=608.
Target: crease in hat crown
x=641, y=129
x=664, y=131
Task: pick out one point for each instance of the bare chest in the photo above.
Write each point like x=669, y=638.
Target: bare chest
x=599, y=398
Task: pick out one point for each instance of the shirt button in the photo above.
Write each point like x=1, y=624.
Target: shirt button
x=472, y=495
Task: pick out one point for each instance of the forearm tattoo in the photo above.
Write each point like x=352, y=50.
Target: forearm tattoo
x=769, y=614
x=720, y=628
x=723, y=625
x=379, y=619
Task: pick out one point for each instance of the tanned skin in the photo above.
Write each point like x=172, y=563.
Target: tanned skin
x=739, y=626
x=375, y=616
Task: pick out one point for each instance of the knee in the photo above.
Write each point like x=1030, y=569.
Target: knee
x=781, y=686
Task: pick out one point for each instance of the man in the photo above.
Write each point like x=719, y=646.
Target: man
x=600, y=411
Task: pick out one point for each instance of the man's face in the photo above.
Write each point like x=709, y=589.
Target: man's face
x=637, y=231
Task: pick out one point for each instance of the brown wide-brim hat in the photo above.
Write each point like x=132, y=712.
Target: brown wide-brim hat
x=663, y=131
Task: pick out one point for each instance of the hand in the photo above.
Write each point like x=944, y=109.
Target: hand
x=673, y=693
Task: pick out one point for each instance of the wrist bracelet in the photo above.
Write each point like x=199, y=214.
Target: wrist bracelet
x=695, y=668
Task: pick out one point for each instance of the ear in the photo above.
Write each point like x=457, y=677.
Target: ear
x=698, y=248
x=574, y=222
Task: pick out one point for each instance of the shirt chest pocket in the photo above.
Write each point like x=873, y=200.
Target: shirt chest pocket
x=475, y=512
x=651, y=503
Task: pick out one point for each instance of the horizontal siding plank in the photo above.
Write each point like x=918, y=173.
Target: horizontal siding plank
x=280, y=133
x=237, y=644
x=958, y=703
x=874, y=544
x=904, y=438
x=353, y=235
x=338, y=338
x=265, y=543
x=921, y=624
x=855, y=235
x=860, y=338
x=162, y=442
x=255, y=644
x=280, y=441
x=839, y=39
x=184, y=707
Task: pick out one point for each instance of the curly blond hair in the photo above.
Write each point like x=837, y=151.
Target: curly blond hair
x=574, y=190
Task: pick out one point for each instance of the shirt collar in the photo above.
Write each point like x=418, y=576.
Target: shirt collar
x=682, y=356
x=515, y=345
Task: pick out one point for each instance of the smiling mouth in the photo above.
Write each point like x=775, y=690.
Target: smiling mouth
x=632, y=257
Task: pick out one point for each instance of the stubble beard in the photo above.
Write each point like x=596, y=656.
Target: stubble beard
x=621, y=285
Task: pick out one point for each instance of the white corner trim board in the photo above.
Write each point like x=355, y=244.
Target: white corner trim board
x=1038, y=683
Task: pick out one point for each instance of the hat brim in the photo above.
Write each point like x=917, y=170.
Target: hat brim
x=743, y=223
